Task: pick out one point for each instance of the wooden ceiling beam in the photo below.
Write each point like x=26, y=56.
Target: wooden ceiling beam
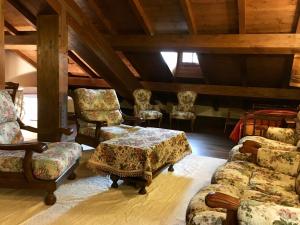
x=142, y=16
x=106, y=22
x=10, y=28
x=87, y=82
x=190, y=19
x=25, y=42
x=31, y=19
x=82, y=65
x=221, y=90
x=217, y=44
x=242, y=16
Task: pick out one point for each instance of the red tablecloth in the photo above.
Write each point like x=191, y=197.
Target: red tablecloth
x=237, y=132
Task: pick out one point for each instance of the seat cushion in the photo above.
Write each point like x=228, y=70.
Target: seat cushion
x=236, y=155
x=150, y=114
x=183, y=115
x=286, y=135
x=48, y=165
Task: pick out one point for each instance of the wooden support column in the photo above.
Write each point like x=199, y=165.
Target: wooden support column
x=2, y=51
x=52, y=70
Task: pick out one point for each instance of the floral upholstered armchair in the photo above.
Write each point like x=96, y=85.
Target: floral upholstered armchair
x=143, y=108
x=33, y=165
x=263, y=192
x=99, y=117
x=185, y=109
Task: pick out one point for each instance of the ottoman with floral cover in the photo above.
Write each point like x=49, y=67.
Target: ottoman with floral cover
x=267, y=191
x=140, y=154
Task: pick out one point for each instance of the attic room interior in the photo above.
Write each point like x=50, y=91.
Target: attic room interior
x=137, y=112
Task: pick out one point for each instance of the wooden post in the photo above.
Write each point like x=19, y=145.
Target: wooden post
x=52, y=71
x=2, y=51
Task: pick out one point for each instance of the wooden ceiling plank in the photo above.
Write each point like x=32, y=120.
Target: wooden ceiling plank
x=190, y=19
x=25, y=42
x=219, y=44
x=82, y=64
x=11, y=29
x=242, y=16
x=222, y=90
x=26, y=58
x=106, y=22
x=87, y=82
x=142, y=16
x=31, y=19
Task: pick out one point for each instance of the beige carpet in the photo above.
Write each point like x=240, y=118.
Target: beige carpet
x=89, y=200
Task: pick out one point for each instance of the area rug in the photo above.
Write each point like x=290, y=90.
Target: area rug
x=89, y=200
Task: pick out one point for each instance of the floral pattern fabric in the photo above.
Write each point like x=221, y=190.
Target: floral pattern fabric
x=10, y=133
x=286, y=162
x=253, y=213
x=7, y=108
x=48, y=165
x=286, y=135
x=236, y=155
x=142, y=106
x=185, y=108
x=140, y=153
x=98, y=105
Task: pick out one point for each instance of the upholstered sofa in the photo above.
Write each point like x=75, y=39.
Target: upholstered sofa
x=33, y=165
x=251, y=193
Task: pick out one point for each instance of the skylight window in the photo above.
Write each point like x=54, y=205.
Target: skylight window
x=170, y=59
x=190, y=57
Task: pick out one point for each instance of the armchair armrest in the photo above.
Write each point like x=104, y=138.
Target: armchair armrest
x=38, y=147
x=286, y=135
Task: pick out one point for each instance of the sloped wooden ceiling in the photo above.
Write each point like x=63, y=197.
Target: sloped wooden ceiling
x=175, y=22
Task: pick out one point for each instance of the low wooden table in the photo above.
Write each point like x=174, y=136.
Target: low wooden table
x=139, y=156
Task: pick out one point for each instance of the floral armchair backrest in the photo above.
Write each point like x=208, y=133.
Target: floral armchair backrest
x=98, y=105
x=186, y=101
x=10, y=132
x=141, y=100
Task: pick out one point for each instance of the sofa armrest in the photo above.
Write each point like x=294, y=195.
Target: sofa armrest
x=286, y=135
x=252, y=212
x=37, y=147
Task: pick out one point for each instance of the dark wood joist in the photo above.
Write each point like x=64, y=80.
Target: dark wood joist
x=2, y=51
x=10, y=28
x=221, y=90
x=220, y=43
x=242, y=16
x=106, y=22
x=24, y=11
x=18, y=42
x=87, y=82
x=190, y=20
x=96, y=42
x=85, y=67
x=142, y=16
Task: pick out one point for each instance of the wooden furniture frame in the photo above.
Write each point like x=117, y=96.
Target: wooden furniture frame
x=26, y=179
x=138, y=181
x=94, y=141
x=12, y=89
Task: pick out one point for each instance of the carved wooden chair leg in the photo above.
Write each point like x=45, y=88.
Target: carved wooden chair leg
x=143, y=190
x=72, y=176
x=171, y=168
x=114, y=179
x=50, y=198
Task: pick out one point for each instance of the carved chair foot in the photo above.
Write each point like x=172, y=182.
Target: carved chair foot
x=171, y=168
x=143, y=190
x=114, y=179
x=72, y=176
x=50, y=199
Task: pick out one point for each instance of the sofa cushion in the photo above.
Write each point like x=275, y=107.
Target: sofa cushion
x=236, y=155
x=150, y=114
x=253, y=213
x=183, y=115
x=48, y=165
x=7, y=108
x=10, y=133
x=286, y=135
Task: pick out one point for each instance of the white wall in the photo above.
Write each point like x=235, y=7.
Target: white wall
x=19, y=71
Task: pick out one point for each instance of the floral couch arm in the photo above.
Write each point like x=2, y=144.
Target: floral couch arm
x=252, y=213
x=286, y=162
x=286, y=135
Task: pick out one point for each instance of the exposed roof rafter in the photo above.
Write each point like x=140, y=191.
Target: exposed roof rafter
x=187, y=9
x=242, y=16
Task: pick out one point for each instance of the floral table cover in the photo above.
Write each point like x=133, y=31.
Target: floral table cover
x=140, y=153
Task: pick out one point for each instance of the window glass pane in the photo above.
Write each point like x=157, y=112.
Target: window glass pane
x=190, y=57
x=170, y=59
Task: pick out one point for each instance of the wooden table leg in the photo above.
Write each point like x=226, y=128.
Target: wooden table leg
x=114, y=179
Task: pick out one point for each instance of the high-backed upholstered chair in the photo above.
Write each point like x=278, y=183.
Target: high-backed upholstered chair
x=143, y=108
x=185, y=108
x=34, y=165
x=99, y=117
